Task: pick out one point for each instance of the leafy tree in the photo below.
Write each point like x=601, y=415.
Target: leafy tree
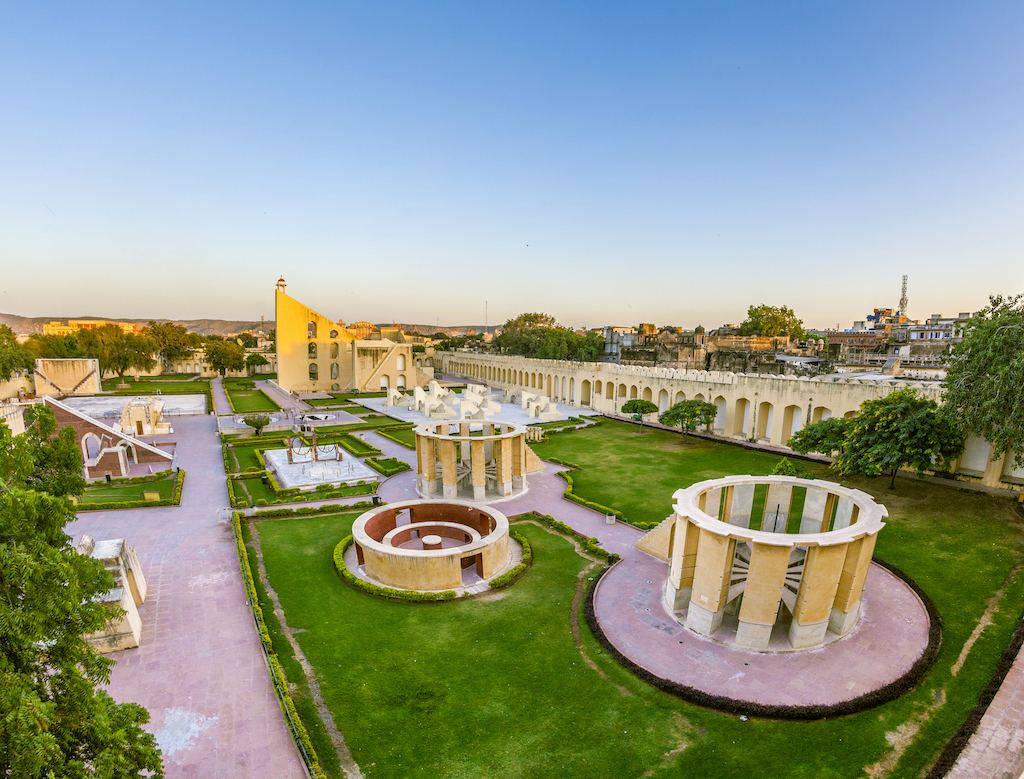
x=824, y=437
x=256, y=421
x=689, y=414
x=900, y=429
x=53, y=720
x=540, y=336
x=639, y=408
x=173, y=342
x=254, y=359
x=985, y=380
x=247, y=340
x=14, y=356
x=117, y=351
x=42, y=459
x=223, y=356
x=785, y=467
x=57, y=347
x=772, y=321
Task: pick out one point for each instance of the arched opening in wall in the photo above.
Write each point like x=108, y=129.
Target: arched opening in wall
x=632, y=392
x=1012, y=474
x=976, y=456
x=334, y=350
x=680, y=397
x=311, y=330
x=334, y=370
x=563, y=388
x=663, y=400
x=720, y=416
x=335, y=387
x=548, y=390
x=533, y=381
x=820, y=414
x=334, y=333
x=384, y=384
x=741, y=423
x=609, y=391
x=419, y=363
x=429, y=362
x=90, y=446
x=648, y=395
x=401, y=362
x=585, y=393
x=622, y=390
x=312, y=351
x=572, y=390
x=699, y=397
x=521, y=379
x=313, y=373
x=129, y=451
x=400, y=382
x=765, y=412
x=792, y=421
x=849, y=415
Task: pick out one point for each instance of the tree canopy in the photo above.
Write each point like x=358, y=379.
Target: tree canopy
x=247, y=340
x=173, y=342
x=689, y=415
x=53, y=720
x=42, y=458
x=224, y=356
x=14, y=356
x=897, y=430
x=257, y=421
x=985, y=380
x=117, y=351
x=58, y=347
x=254, y=359
x=772, y=321
x=540, y=336
x=639, y=408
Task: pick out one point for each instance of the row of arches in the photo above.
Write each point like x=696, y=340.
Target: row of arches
x=311, y=330
x=334, y=349
x=740, y=418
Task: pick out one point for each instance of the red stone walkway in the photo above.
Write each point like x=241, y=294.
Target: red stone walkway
x=200, y=669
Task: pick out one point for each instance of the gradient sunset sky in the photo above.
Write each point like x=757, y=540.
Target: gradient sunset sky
x=604, y=163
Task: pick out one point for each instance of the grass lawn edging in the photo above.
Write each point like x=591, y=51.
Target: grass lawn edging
x=389, y=466
x=175, y=500
x=885, y=694
x=570, y=495
x=411, y=596
x=298, y=730
x=590, y=545
x=384, y=431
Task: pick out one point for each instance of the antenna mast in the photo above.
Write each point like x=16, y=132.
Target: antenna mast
x=903, y=297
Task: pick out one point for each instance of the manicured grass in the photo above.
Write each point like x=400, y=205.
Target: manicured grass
x=164, y=388
x=257, y=490
x=245, y=401
x=498, y=689
x=101, y=492
x=404, y=436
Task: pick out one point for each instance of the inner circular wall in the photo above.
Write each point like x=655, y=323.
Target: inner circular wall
x=729, y=561
x=481, y=533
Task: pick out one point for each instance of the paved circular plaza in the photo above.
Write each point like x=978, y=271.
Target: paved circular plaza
x=891, y=636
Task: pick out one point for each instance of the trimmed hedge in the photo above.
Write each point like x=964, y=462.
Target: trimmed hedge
x=388, y=466
x=889, y=692
x=175, y=500
x=383, y=431
x=293, y=494
x=387, y=593
x=514, y=574
x=590, y=545
x=327, y=508
x=570, y=495
x=299, y=732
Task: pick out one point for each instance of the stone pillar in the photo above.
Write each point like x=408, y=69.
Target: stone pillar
x=739, y=500
x=479, y=474
x=518, y=461
x=817, y=593
x=711, y=574
x=846, y=608
x=761, y=597
x=776, y=508
x=682, y=561
x=503, y=466
x=814, y=510
x=449, y=471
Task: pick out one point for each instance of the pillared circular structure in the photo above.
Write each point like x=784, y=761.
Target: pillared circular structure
x=485, y=466
x=426, y=545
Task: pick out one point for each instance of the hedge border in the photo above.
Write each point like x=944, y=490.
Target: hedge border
x=231, y=401
x=504, y=580
x=174, y=500
x=305, y=511
x=885, y=694
x=588, y=543
x=298, y=730
x=377, y=465
x=400, y=442
x=293, y=494
x=958, y=743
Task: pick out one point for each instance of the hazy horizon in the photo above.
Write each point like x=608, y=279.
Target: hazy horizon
x=604, y=164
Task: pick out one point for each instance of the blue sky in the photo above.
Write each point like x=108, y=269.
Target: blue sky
x=605, y=163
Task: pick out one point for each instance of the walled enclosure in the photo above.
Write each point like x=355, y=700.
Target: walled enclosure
x=481, y=533
x=768, y=409
x=315, y=354
x=483, y=467
x=724, y=560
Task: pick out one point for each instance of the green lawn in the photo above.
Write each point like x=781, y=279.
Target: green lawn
x=498, y=689
x=101, y=492
x=404, y=436
x=245, y=401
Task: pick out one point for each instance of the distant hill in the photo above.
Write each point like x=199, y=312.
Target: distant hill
x=26, y=325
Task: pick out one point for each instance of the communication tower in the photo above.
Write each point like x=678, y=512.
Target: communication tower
x=903, y=298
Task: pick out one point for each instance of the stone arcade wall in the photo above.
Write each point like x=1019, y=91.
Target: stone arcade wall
x=763, y=408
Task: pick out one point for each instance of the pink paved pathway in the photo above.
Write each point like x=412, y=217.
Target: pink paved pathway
x=200, y=669
x=996, y=750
